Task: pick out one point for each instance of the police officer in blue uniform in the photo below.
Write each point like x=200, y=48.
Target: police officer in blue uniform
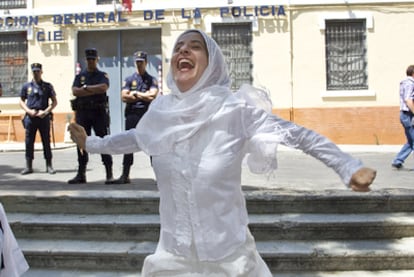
x=37, y=99
x=91, y=110
x=138, y=91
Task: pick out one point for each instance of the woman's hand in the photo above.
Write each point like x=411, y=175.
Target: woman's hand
x=362, y=179
x=78, y=135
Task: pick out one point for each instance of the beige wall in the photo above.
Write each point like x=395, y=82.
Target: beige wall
x=288, y=56
x=58, y=60
x=271, y=60
x=389, y=52
x=52, y=3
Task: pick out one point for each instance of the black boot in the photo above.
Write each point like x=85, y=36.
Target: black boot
x=29, y=168
x=109, y=175
x=80, y=178
x=49, y=168
x=124, y=178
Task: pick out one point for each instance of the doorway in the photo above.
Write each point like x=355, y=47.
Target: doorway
x=115, y=51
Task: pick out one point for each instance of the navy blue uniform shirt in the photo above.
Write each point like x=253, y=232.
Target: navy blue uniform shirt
x=91, y=78
x=139, y=83
x=37, y=95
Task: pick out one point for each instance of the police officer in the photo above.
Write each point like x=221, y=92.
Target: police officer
x=138, y=91
x=34, y=100
x=91, y=110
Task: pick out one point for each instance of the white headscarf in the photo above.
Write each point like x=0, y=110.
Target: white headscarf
x=215, y=74
x=179, y=115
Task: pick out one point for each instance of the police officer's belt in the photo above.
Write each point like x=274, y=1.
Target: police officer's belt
x=90, y=105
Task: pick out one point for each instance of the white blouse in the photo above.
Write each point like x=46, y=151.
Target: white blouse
x=201, y=201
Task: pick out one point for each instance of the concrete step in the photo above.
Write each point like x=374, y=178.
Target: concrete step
x=33, y=272
x=263, y=227
x=331, y=255
x=281, y=256
x=80, y=202
x=297, y=232
x=140, y=227
x=329, y=201
x=86, y=255
x=36, y=272
x=366, y=226
x=385, y=273
x=257, y=201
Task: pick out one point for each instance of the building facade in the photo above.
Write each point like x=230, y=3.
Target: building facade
x=332, y=66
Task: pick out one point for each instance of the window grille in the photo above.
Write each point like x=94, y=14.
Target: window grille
x=13, y=62
x=235, y=42
x=346, y=61
x=106, y=2
x=12, y=4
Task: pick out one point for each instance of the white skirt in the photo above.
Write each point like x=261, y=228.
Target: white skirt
x=244, y=262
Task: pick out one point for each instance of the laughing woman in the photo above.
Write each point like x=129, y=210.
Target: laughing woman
x=198, y=136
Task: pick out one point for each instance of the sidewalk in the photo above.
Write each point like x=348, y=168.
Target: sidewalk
x=19, y=146
x=297, y=171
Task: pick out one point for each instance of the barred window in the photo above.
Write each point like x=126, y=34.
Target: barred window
x=13, y=62
x=12, y=4
x=346, y=54
x=105, y=2
x=235, y=42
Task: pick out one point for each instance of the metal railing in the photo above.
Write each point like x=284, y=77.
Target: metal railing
x=105, y=2
x=235, y=42
x=13, y=4
x=13, y=62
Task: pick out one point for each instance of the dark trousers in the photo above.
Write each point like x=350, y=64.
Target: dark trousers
x=97, y=120
x=131, y=121
x=406, y=119
x=32, y=124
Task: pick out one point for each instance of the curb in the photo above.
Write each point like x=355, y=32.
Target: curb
x=20, y=146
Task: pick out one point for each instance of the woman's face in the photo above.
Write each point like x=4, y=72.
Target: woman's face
x=189, y=60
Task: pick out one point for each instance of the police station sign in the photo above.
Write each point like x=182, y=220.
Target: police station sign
x=26, y=22
x=224, y=12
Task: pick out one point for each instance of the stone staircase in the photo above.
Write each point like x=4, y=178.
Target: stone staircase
x=298, y=233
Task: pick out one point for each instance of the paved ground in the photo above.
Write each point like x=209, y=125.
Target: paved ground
x=297, y=171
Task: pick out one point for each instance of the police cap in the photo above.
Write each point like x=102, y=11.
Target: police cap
x=91, y=53
x=36, y=66
x=140, y=56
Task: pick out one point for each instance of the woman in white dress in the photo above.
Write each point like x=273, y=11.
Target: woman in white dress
x=198, y=136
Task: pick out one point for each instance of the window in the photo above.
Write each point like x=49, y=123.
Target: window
x=13, y=62
x=346, y=54
x=235, y=43
x=105, y=2
x=12, y=4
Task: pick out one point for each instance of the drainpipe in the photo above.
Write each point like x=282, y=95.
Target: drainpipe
x=291, y=112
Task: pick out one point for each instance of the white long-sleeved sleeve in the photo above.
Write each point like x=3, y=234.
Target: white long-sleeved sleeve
x=121, y=143
x=321, y=148
x=262, y=126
